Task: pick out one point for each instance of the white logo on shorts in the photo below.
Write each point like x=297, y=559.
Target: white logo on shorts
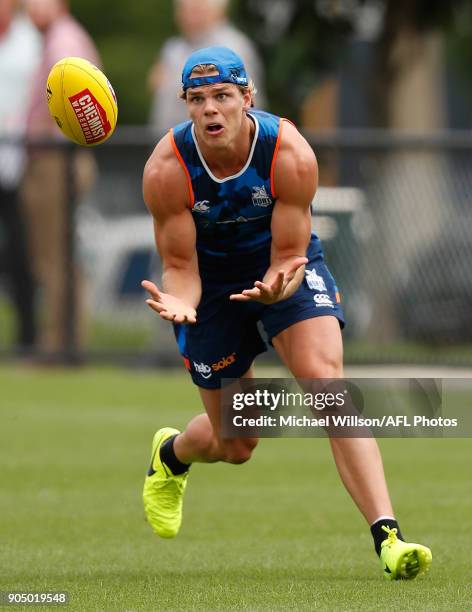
x=314, y=280
x=203, y=369
x=323, y=300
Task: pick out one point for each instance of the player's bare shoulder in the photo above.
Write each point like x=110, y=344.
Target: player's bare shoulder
x=296, y=167
x=165, y=186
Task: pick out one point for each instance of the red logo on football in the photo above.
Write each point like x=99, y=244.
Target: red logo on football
x=91, y=116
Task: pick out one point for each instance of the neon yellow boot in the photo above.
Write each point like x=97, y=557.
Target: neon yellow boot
x=163, y=491
x=403, y=561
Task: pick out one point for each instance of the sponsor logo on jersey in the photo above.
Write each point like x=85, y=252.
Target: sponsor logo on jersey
x=322, y=299
x=201, y=207
x=224, y=362
x=260, y=197
x=203, y=369
x=91, y=116
x=314, y=280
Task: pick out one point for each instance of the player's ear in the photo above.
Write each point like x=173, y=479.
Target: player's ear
x=247, y=97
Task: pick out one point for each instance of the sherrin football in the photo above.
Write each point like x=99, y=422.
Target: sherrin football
x=81, y=101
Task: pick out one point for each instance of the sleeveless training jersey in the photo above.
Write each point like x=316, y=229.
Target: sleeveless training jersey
x=232, y=215
x=233, y=223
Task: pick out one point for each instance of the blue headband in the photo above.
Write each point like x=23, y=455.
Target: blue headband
x=229, y=65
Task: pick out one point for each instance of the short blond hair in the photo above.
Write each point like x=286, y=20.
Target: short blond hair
x=209, y=70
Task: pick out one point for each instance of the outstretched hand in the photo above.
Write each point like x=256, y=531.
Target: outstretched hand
x=167, y=306
x=274, y=291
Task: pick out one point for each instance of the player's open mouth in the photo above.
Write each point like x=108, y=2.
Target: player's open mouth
x=214, y=129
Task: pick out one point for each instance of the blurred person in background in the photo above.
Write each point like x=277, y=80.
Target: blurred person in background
x=45, y=188
x=19, y=49
x=202, y=23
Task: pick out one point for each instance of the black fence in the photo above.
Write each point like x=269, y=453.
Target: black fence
x=394, y=214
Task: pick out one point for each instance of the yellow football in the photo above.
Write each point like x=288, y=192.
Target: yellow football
x=81, y=101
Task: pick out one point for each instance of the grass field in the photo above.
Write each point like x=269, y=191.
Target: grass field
x=277, y=533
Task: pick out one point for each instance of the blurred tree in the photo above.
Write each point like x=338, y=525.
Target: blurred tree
x=459, y=47
x=403, y=17
x=301, y=42
x=128, y=34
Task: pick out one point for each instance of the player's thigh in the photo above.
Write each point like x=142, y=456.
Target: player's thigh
x=312, y=348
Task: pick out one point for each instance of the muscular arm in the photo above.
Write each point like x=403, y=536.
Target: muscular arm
x=296, y=179
x=166, y=195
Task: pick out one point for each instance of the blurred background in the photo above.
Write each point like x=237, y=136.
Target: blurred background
x=382, y=90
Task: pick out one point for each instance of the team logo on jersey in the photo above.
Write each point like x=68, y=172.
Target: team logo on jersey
x=321, y=299
x=314, y=280
x=201, y=207
x=260, y=197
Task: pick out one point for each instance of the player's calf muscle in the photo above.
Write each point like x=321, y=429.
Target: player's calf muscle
x=238, y=450
x=198, y=442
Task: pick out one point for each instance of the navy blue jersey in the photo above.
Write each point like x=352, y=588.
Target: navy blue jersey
x=233, y=221
x=232, y=215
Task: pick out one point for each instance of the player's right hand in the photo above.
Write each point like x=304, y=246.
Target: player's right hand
x=277, y=285
x=167, y=306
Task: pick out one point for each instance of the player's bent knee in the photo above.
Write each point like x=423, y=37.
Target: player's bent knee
x=237, y=456
x=326, y=367
x=238, y=451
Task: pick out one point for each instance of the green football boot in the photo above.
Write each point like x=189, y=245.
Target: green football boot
x=403, y=561
x=163, y=491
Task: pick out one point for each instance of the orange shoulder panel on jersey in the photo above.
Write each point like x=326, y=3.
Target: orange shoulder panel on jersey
x=182, y=163
x=274, y=158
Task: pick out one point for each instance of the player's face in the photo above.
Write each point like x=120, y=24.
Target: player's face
x=217, y=112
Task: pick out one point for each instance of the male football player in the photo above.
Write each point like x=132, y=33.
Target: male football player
x=230, y=193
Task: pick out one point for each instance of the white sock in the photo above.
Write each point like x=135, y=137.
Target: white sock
x=382, y=518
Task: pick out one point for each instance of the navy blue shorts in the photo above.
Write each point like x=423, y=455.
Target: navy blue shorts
x=226, y=338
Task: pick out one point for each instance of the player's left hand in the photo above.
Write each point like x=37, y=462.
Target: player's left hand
x=276, y=289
